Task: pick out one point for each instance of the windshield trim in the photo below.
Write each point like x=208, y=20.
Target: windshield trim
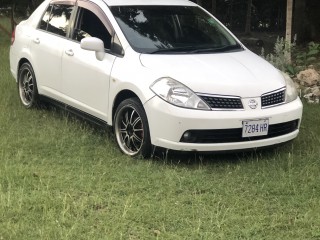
x=195, y=50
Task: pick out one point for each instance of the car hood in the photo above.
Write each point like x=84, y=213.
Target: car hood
x=241, y=74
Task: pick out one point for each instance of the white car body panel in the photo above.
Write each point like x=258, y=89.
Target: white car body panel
x=236, y=74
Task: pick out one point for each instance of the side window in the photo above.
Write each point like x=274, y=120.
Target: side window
x=44, y=21
x=89, y=25
x=57, y=19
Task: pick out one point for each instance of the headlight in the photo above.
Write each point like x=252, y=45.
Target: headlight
x=177, y=94
x=291, y=91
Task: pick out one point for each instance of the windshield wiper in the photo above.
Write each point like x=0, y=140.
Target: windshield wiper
x=174, y=50
x=228, y=48
x=195, y=49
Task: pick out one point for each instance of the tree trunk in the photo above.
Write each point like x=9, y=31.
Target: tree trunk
x=289, y=29
x=231, y=13
x=289, y=21
x=299, y=20
x=13, y=23
x=248, y=17
x=214, y=7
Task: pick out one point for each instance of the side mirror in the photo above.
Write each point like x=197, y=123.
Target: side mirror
x=93, y=44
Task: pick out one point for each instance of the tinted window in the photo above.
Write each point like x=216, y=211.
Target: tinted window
x=57, y=19
x=153, y=28
x=89, y=25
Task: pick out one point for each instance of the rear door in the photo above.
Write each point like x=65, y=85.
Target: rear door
x=47, y=45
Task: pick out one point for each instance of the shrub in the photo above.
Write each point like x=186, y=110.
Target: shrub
x=281, y=56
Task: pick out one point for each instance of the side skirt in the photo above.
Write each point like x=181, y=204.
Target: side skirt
x=78, y=113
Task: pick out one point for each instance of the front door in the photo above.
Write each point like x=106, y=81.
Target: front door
x=85, y=79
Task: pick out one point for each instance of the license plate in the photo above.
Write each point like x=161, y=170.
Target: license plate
x=254, y=128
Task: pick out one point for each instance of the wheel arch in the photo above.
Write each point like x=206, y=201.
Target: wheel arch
x=121, y=96
x=16, y=68
x=22, y=61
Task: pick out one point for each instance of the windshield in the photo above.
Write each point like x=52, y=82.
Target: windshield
x=177, y=29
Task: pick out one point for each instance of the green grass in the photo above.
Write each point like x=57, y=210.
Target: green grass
x=61, y=178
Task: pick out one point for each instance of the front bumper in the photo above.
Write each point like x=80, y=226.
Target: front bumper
x=168, y=123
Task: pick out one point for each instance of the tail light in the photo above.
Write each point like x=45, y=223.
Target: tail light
x=13, y=36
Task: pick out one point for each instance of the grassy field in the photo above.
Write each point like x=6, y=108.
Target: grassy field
x=61, y=178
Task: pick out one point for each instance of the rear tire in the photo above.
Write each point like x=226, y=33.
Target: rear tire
x=27, y=86
x=132, y=129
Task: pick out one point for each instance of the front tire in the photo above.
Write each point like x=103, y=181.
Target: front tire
x=27, y=86
x=132, y=129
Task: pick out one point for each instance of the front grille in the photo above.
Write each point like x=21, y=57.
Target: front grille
x=235, y=134
x=271, y=99
x=219, y=102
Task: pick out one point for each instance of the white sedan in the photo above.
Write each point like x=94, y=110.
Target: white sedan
x=163, y=73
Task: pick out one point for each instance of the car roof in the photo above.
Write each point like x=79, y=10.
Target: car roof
x=149, y=2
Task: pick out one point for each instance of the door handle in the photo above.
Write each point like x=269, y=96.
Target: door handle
x=69, y=52
x=36, y=40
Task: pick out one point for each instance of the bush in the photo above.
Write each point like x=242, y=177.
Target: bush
x=288, y=58
x=281, y=57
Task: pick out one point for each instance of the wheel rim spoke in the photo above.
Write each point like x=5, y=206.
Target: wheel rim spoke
x=127, y=141
x=136, y=139
x=136, y=121
x=28, y=95
x=132, y=117
x=29, y=77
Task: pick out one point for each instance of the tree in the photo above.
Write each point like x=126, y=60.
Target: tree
x=214, y=7
x=289, y=28
x=248, y=17
x=19, y=7
x=299, y=25
x=289, y=21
